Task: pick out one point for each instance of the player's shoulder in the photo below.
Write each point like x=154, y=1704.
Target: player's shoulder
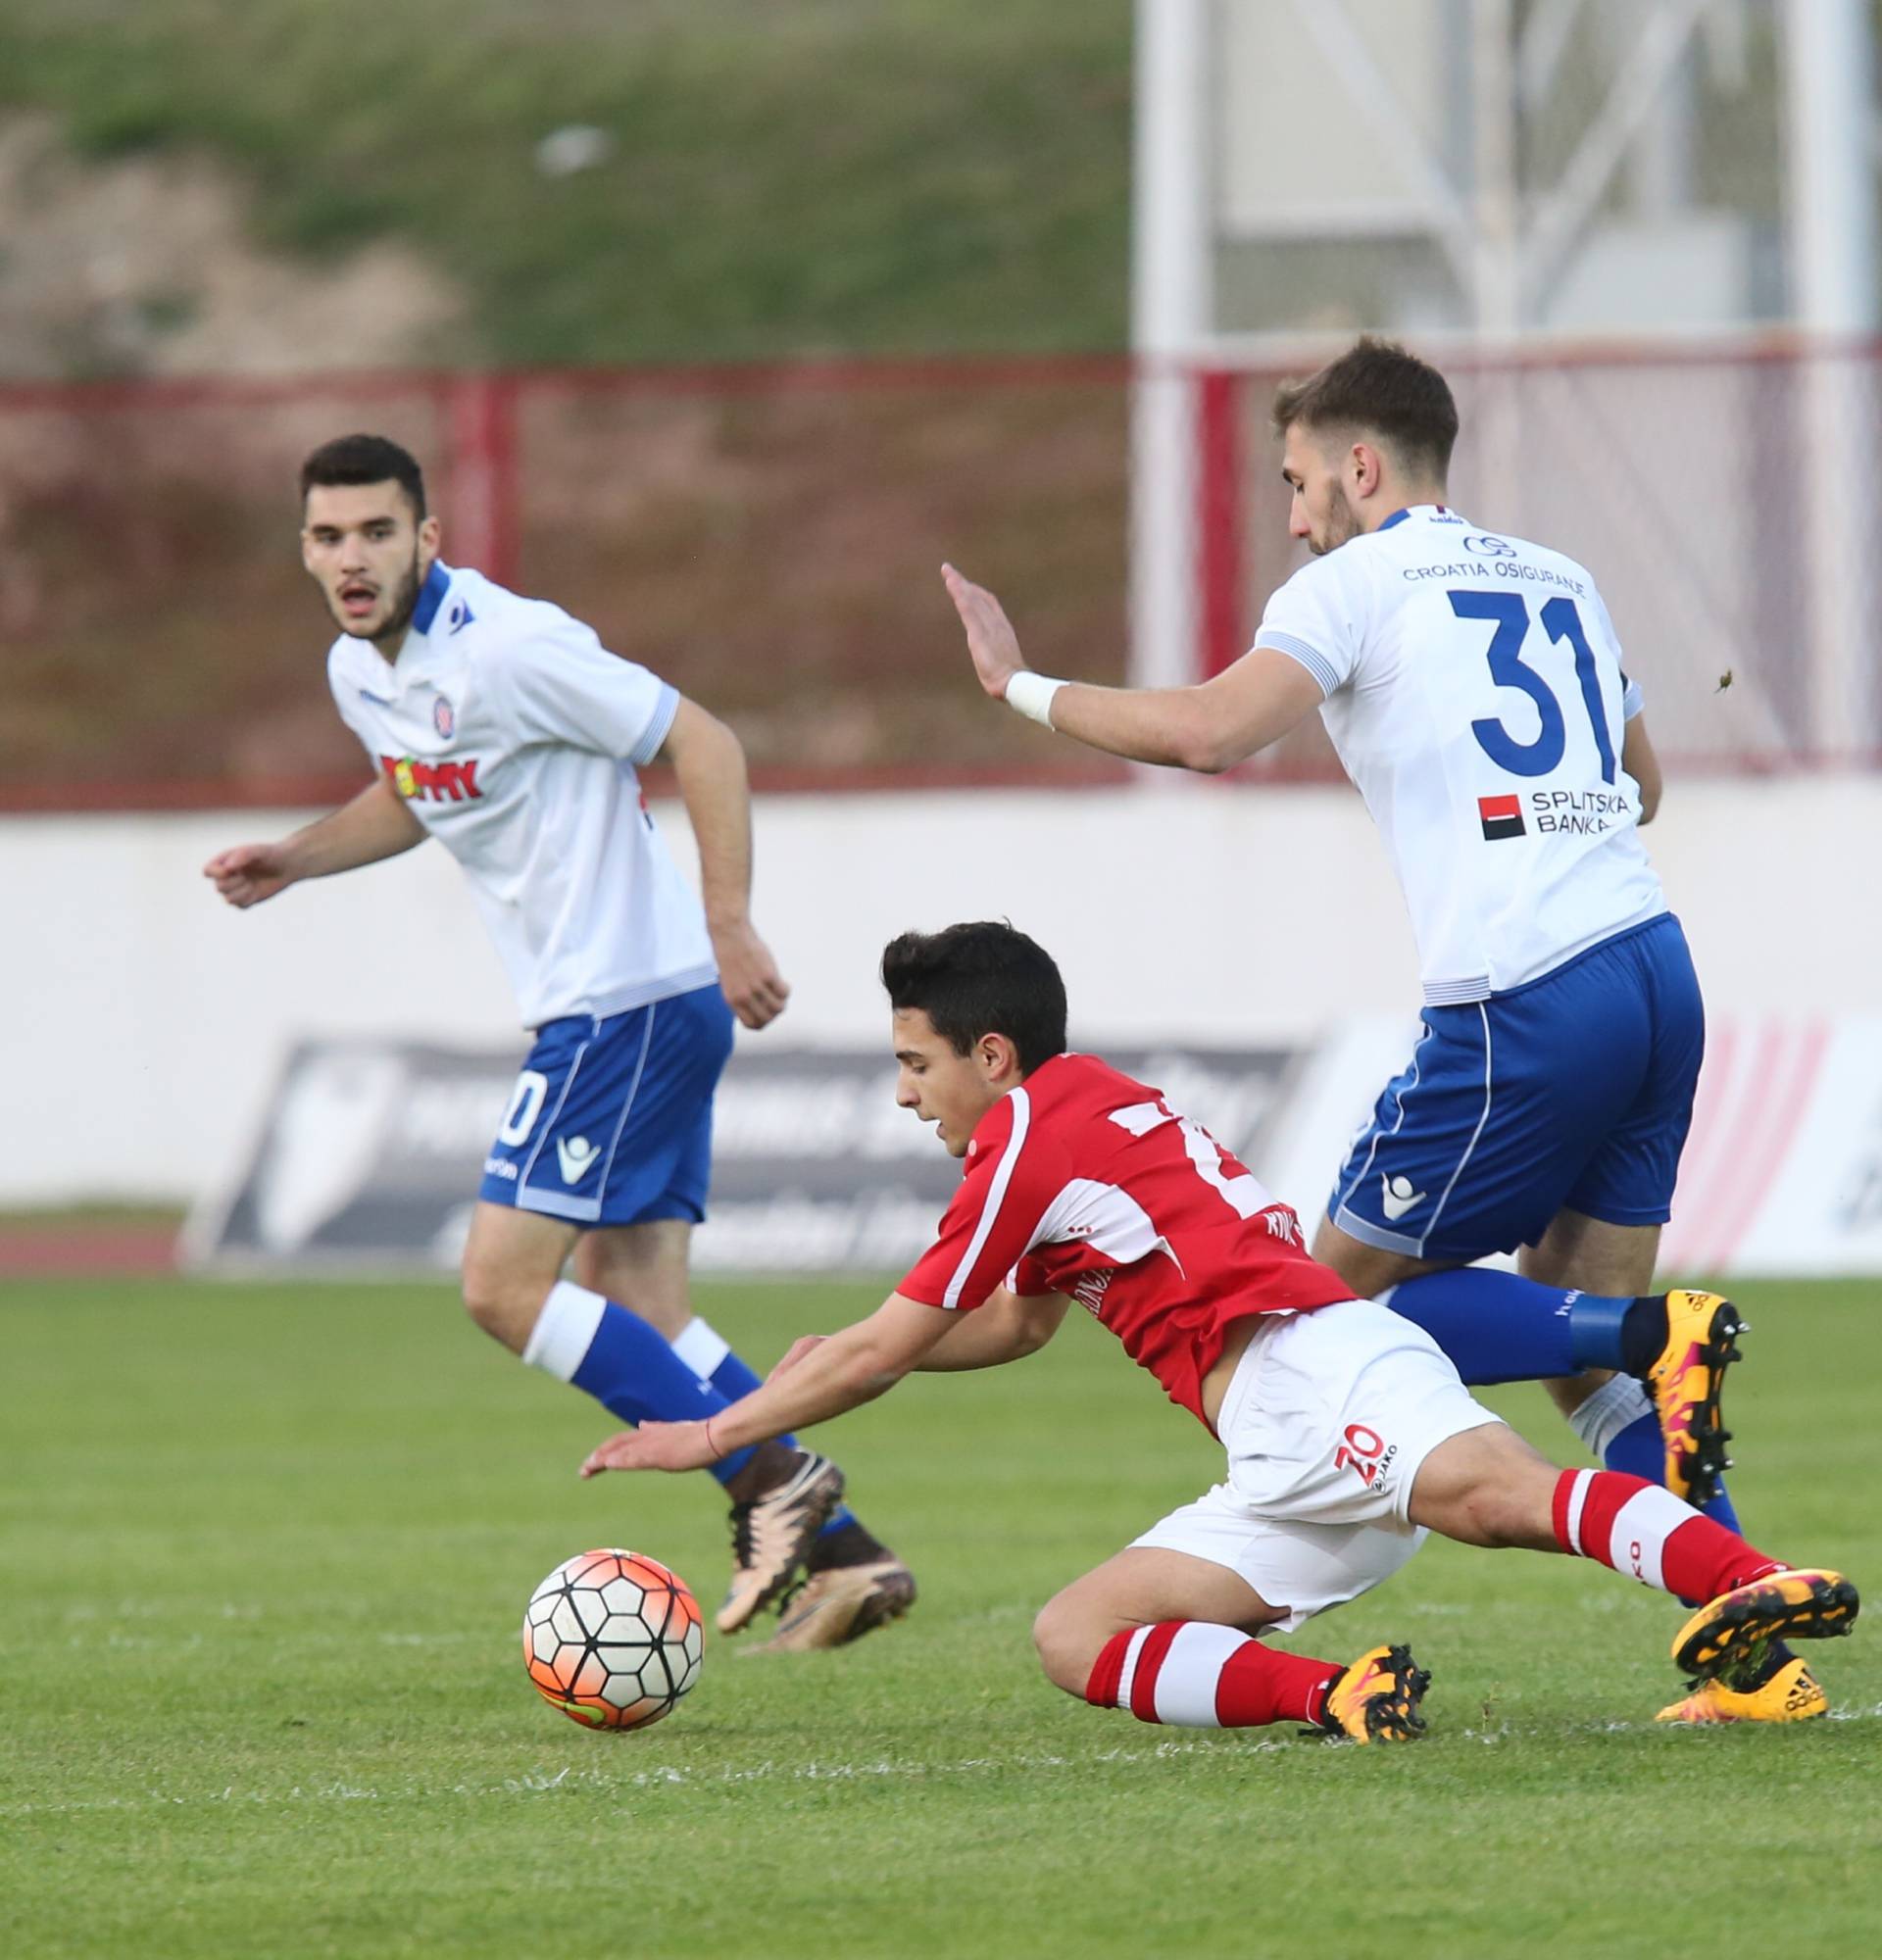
x=488, y=620
x=1351, y=567
x=1073, y=1091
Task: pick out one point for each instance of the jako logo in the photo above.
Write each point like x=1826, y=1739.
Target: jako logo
x=1366, y=1455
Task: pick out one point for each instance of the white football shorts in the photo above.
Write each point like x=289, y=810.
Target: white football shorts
x=1327, y=1418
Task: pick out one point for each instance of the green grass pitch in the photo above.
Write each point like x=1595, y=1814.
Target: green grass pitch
x=266, y=1555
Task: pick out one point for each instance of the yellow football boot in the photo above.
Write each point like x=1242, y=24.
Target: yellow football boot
x=1806, y=1605
x=1786, y=1692
x=1701, y=1334
x=1376, y=1700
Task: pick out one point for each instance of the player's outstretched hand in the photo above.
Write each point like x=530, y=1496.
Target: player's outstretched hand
x=795, y=1352
x=748, y=975
x=991, y=640
x=248, y=873
x=654, y=1445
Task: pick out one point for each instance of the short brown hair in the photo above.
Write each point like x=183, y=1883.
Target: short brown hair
x=1377, y=385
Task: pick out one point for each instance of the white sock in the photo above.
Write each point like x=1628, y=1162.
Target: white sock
x=701, y=1347
x=565, y=1330
x=1613, y=1407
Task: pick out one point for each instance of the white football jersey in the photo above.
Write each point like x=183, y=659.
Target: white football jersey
x=1475, y=695
x=514, y=735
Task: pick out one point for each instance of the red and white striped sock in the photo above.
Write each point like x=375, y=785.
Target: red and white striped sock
x=1195, y=1675
x=1645, y=1532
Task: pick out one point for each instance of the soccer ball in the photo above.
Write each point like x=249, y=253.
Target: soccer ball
x=611, y=1638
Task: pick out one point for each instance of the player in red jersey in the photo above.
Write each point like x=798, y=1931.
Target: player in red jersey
x=1349, y=1434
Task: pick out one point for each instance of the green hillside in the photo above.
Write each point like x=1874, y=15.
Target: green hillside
x=784, y=175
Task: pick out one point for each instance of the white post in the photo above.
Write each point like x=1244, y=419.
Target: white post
x=1171, y=293
x=1496, y=497
x=1833, y=294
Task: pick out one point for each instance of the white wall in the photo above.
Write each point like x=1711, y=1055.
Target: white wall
x=142, y=1020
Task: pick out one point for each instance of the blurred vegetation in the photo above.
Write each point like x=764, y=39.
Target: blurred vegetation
x=779, y=175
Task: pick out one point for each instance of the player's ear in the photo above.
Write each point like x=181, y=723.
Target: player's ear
x=1366, y=468
x=997, y=1056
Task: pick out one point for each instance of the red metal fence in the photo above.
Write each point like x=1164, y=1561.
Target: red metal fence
x=769, y=538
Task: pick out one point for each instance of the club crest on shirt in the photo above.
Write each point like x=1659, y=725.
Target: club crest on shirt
x=444, y=717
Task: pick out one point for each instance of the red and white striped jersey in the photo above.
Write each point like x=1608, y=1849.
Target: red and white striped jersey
x=1083, y=1181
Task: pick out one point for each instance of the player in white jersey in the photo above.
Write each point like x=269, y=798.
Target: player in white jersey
x=1472, y=685
x=503, y=727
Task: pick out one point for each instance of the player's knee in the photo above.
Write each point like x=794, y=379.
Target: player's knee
x=1068, y=1643
x=503, y=1308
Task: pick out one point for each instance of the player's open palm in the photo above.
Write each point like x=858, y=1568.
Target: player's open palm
x=654, y=1445
x=748, y=975
x=991, y=641
x=248, y=873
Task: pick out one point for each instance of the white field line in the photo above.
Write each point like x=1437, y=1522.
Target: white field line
x=605, y=1782
x=569, y=1778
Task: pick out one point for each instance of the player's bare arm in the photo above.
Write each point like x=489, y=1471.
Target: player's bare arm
x=709, y=763
x=1639, y=759
x=834, y=1375
x=1008, y=1328
x=375, y=826
x=1205, y=728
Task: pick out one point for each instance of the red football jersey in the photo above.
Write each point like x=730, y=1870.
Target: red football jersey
x=1083, y=1181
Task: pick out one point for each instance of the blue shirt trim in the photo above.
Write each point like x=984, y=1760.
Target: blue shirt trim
x=1311, y=658
x=1399, y=517
x=659, y=729
x=438, y=582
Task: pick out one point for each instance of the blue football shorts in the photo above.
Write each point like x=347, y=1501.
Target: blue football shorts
x=1574, y=1092
x=611, y=1122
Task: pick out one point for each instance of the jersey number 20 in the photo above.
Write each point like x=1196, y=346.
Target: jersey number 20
x=1509, y=613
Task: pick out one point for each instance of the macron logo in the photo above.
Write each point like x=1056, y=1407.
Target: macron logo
x=575, y=1154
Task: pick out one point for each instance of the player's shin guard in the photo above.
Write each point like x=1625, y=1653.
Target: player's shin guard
x=1647, y=1533
x=1192, y=1674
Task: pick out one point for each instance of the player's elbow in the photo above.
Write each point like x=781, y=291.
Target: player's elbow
x=1648, y=801
x=1204, y=747
x=1029, y=1333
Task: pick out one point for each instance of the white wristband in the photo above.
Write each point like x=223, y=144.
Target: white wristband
x=1030, y=694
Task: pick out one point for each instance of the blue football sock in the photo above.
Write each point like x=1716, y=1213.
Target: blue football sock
x=1499, y=1327
x=1641, y=1452
x=624, y=1362
x=733, y=1379
x=1618, y=1425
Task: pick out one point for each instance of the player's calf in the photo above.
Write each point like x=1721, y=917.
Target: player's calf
x=1192, y=1674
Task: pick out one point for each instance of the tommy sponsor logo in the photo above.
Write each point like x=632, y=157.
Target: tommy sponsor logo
x=1501, y=816
x=1368, y=1455
x=1397, y=1196
x=433, y=782
x=576, y=1156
